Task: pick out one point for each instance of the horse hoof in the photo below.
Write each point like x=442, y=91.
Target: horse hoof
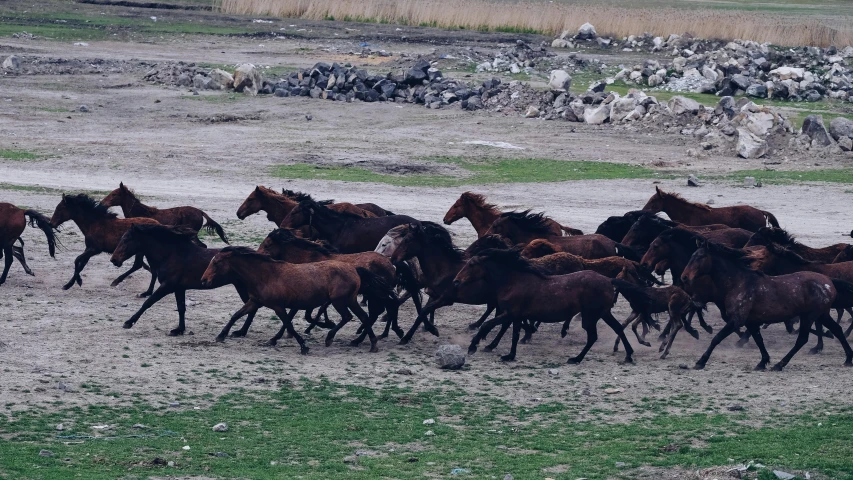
x=778, y=367
x=507, y=358
x=328, y=342
x=304, y=350
x=238, y=334
x=220, y=338
x=382, y=336
x=405, y=340
x=524, y=341
x=432, y=330
x=400, y=333
x=574, y=361
x=144, y=295
x=176, y=332
x=628, y=361
x=699, y=366
x=760, y=367
x=272, y=342
x=563, y=333
x=473, y=327
x=127, y=324
x=374, y=349
x=815, y=350
x=663, y=357
x=114, y=283
x=472, y=350
x=694, y=334
x=645, y=343
x=354, y=343
x=848, y=363
x=708, y=329
x=68, y=286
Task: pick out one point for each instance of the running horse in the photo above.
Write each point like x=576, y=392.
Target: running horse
x=680, y=210
x=13, y=221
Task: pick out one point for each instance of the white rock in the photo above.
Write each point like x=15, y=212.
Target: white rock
x=621, y=108
x=220, y=79
x=586, y=31
x=785, y=73
x=749, y=145
x=532, y=112
x=220, y=427
x=186, y=447
x=559, y=43
x=11, y=63
x=247, y=79
x=560, y=80
x=678, y=105
x=596, y=115
x=759, y=123
x=429, y=421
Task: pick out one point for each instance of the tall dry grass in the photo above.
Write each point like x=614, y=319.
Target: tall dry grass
x=551, y=18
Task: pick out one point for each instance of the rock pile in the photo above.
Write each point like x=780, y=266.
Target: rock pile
x=521, y=58
x=33, y=65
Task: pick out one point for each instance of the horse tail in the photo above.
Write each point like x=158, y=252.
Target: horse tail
x=214, y=227
x=373, y=287
x=845, y=293
x=770, y=218
x=570, y=231
x=640, y=301
x=407, y=279
x=43, y=223
x=627, y=252
x=646, y=274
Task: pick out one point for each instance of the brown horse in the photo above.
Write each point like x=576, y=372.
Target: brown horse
x=190, y=217
x=752, y=299
x=768, y=235
x=372, y=209
x=681, y=211
x=278, y=205
x=646, y=301
x=845, y=255
x=481, y=214
x=647, y=228
x=523, y=291
x=13, y=221
x=542, y=252
x=101, y=229
x=522, y=228
x=177, y=258
x=281, y=286
x=617, y=226
x=346, y=232
x=282, y=244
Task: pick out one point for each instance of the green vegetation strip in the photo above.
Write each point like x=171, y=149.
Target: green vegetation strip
x=8, y=154
x=477, y=172
x=836, y=175
x=308, y=429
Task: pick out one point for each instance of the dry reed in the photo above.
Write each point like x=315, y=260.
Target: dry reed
x=551, y=18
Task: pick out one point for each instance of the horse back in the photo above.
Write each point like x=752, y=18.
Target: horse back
x=12, y=223
x=590, y=246
x=180, y=217
x=779, y=298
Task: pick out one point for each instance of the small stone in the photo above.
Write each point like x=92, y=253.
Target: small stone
x=783, y=475
x=60, y=427
x=507, y=477
x=749, y=181
x=220, y=427
x=692, y=181
x=450, y=357
x=413, y=459
x=404, y=371
x=735, y=408
x=170, y=464
x=83, y=109
x=620, y=464
x=220, y=455
x=351, y=459
x=553, y=371
x=613, y=391
x=429, y=433
x=683, y=366
x=138, y=426
x=45, y=453
x=174, y=404
x=186, y=447
x=429, y=421
x=532, y=112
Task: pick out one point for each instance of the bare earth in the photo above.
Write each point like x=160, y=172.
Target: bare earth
x=159, y=142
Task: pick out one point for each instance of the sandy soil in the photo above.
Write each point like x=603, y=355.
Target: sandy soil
x=158, y=141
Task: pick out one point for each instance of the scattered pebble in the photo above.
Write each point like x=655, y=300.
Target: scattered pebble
x=186, y=447
x=429, y=433
x=620, y=464
x=429, y=421
x=83, y=109
x=174, y=404
x=553, y=371
x=45, y=453
x=60, y=427
x=220, y=427
x=138, y=426
x=613, y=391
x=171, y=464
x=783, y=475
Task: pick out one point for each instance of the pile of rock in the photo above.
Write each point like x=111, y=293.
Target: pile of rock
x=34, y=65
x=520, y=58
x=586, y=33
x=752, y=69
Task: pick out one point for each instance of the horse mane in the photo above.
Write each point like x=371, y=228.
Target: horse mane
x=166, y=233
x=248, y=252
x=779, y=236
x=533, y=222
x=681, y=236
x=85, y=202
x=682, y=199
x=442, y=239
x=321, y=209
x=286, y=237
x=741, y=258
x=480, y=201
x=787, y=254
x=656, y=221
x=510, y=258
x=614, y=224
x=487, y=242
x=300, y=196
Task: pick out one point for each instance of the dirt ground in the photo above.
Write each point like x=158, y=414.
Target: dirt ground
x=157, y=140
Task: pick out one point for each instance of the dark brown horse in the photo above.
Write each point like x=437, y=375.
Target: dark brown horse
x=647, y=228
x=346, y=232
x=278, y=205
x=190, y=217
x=524, y=292
x=617, y=226
x=13, y=221
x=177, y=258
x=101, y=229
x=768, y=235
x=522, y=228
x=281, y=286
x=282, y=244
x=681, y=211
x=845, y=255
x=752, y=299
x=373, y=209
x=481, y=214
x=542, y=252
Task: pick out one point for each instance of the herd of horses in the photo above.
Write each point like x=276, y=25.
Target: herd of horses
x=524, y=267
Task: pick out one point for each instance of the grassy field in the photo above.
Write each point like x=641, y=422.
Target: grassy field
x=314, y=429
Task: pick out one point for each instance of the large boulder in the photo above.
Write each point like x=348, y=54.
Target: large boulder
x=678, y=105
x=220, y=79
x=841, y=127
x=596, y=115
x=450, y=357
x=786, y=73
x=757, y=90
x=560, y=81
x=560, y=43
x=247, y=79
x=586, y=32
x=816, y=131
x=758, y=123
x=622, y=108
x=749, y=145
x=11, y=63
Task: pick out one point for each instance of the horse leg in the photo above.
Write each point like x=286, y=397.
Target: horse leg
x=154, y=298
x=489, y=309
x=181, y=300
x=835, y=329
x=516, y=331
x=611, y=322
x=497, y=340
x=755, y=330
x=367, y=321
x=744, y=338
x=18, y=252
x=677, y=324
x=79, y=264
x=429, y=324
x=802, y=339
x=849, y=329
x=702, y=322
x=727, y=330
x=286, y=319
x=137, y=264
x=151, y=284
x=591, y=337
x=9, y=259
x=565, y=330
x=641, y=320
x=374, y=309
x=665, y=332
x=250, y=308
x=485, y=329
x=819, y=332
x=287, y=323
x=625, y=323
x=244, y=330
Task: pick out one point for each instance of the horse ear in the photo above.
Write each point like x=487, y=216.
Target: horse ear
x=657, y=189
x=121, y=184
x=701, y=242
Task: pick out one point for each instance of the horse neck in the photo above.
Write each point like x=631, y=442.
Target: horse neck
x=87, y=222
x=253, y=273
x=329, y=224
x=437, y=264
x=304, y=255
x=131, y=206
x=481, y=217
x=680, y=210
x=728, y=277
x=277, y=208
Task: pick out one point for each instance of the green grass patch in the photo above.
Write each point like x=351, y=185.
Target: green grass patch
x=832, y=175
x=22, y=155
x=307, y=429
x=487, y=171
